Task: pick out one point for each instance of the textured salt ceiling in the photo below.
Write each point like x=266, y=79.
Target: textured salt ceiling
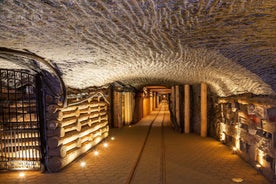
x=229, y=44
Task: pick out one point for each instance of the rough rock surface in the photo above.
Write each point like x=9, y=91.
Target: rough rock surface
x=229, y=44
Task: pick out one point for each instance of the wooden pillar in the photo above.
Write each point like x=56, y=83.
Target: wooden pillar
x=173, y=100
x=146, y=105
x=151, y=101
x=203, y=111
x=187, y=108
x=117, y=109
x=177, y=105
x=111, y=107
x=138, y=110
x=128, y=108
x=157, y=100
x=154, y=101
x=132, y=102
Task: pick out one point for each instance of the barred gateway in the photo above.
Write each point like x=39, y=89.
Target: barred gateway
x=20, y=145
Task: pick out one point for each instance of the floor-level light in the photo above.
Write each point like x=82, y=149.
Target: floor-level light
x=235, y=149
x=96, y=153
x=105, y=145
x=112, y=138
x=21, y=174
x=259, y=167
x=82, y=164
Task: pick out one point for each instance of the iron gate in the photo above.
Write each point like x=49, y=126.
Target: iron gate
x=20, y=145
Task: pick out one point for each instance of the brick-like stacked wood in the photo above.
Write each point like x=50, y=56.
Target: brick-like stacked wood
x=75, y=129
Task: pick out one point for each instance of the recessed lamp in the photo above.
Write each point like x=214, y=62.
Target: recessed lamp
x=112, y=138
x=235, y=149
x=21, y=174
x=96, y=153
x=82, y=164
x=105, y=145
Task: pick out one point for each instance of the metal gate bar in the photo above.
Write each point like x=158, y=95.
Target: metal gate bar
x=19, y=123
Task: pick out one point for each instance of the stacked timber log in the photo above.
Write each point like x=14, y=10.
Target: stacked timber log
x=248, y=124
x=73, y=130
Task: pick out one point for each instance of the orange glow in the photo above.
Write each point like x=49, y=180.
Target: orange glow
x=222, y=137
x=260, y=157
x=96, y=153
x=21, y=174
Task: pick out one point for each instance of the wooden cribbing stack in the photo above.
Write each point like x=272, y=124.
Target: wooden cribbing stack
x=73, y=130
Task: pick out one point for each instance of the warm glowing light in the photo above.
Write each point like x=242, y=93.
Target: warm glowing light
x=260, y=157
x=222, y=132
x=258, y=165
x=82, y=164
x=235, y=149
x=222, y=137
x=97, y=140
x=129, y=125
x=96, y=153
x=234, y=109
x=72, y=156
x=112, y=138
x=21, y=175
x=237, y=144
x=87, y=146
x=105, y=145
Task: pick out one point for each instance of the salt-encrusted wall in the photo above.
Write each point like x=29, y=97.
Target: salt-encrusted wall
x=228, y=44
x=74, y=129
x=247, y=124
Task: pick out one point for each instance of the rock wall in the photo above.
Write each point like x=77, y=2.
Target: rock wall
x=247, y=124
x=227, y=44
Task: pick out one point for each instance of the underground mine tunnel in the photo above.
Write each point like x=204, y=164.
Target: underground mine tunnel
x=74, y=72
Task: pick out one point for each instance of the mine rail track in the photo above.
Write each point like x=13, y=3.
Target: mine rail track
x=162, y=179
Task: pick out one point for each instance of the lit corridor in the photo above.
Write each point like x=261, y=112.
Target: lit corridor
x=150, y=152
x=135, y=91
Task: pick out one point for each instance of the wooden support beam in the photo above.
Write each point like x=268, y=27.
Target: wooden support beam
x=177, y=104
x=128, y=108
x=151, y=101
x=146, y=106
x=187, y=108
x=203, y=111
x=118, y=110
x=154, y=101
x=173, y=100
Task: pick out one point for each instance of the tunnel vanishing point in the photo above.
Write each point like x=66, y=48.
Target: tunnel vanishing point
x=72, y=70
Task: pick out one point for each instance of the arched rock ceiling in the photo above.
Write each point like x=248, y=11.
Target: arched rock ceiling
x=229, y=44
